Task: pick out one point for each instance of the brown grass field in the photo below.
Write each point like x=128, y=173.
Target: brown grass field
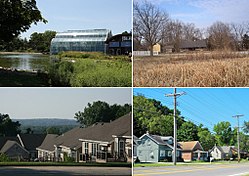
x=203, y=69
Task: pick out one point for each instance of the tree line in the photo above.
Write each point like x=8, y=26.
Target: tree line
x=150, y=115
x=98, y=111
x=38, y=42
x=152, y=25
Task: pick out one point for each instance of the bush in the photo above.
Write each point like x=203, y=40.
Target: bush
x=4, y=158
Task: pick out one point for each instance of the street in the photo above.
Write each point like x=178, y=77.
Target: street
x=63, y=171
x=195, y=170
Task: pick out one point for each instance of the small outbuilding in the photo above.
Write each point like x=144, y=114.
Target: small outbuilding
x=188, y=45
x=221, y=152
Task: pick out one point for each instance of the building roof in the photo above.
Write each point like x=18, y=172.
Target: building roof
x=3, y=140
x=31, y=141
x=103, y=132
x=187, y=44
x=9, y=144
x=48, y=143
x=161, y=140
x=190, y=145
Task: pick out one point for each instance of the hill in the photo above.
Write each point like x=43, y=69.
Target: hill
x=47, y=122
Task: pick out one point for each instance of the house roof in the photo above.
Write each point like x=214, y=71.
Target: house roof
x=48, y=143
x=186, y=44
x=3, y=140
x=9, y=144
x=190, y=145
x=31, y=141
x=223, y=149
x=98, y=132
x=161, y=140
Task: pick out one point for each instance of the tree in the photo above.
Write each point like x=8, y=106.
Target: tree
x=246, y=127
x=100, y=111
x=148, y=24
x=16, y=17
x=41, y=41
x=245, y=41
x=224, y=133
x=150, y=115
x=53, y=130
x=220, y=36
x=188, y=131
x=206, y=139
x=7, y=127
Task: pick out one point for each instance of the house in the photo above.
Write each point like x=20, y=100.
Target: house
x=188, y=45
x=192, y=150
x=30, y=142
x=221, y=152
x=46, y=151
x=108, y=141
x=120, y=44
x=154, y=148
x=136, y=141
x=101, y=142
x=15, y=151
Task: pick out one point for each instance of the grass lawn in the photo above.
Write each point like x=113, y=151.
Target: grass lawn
x=116, y=164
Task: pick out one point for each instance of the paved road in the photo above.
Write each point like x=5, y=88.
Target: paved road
x=197, y=170
x=63, y=171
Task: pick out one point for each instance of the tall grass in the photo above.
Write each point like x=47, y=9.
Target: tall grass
x=217, y=69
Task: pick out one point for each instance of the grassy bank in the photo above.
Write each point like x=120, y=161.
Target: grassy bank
x=116, y=164
x=21, y=79
x=213, y=69
x=81, y=69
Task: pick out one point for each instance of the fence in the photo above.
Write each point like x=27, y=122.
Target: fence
x=144, y=53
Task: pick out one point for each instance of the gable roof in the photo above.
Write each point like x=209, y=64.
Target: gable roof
x=9, y=144
x=3, y=140
x=103, y=132
x=222, y=149
x=161, y=140
x=190, y=145
x=48, y=143
x=187, y=44
x=31, y=141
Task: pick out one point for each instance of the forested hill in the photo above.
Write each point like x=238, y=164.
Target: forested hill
x=47, y=122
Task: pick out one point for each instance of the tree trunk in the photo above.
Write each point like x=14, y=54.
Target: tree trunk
x=151, y=50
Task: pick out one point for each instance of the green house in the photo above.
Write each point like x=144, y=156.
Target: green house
x=154, y=148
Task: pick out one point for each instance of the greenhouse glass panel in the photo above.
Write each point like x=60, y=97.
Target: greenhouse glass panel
x=80, y=40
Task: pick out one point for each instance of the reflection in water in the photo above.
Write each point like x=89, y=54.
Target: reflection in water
x=27, y=62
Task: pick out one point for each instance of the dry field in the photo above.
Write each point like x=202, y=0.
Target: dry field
x=206, y=69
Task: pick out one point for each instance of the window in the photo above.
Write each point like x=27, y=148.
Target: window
x=121, y=147
x=169, y=153
x=162, y=153
x=86, y=148
x=94, y=149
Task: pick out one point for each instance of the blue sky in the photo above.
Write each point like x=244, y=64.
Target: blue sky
x=205, y=105
x=84, y=14
x=56, y=102
x=204, y=12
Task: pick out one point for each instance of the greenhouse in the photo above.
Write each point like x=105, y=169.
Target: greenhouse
x=80, y=40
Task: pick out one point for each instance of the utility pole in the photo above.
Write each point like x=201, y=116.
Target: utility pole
x=175, y=95
x=238, y=138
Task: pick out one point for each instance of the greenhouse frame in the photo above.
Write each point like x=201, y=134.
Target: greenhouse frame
x=92, y=40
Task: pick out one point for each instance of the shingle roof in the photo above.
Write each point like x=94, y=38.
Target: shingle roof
x=9, y=144
x=188, y=146
x=3, y=140
x=32, y=141
x=186, y=44
x=226, y=149
x=49, y=142
x=99, y=132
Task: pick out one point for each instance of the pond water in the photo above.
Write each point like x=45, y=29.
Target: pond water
x=27, y=62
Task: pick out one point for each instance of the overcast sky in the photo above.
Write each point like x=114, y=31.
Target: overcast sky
x=63, y=15
x=56, y=102
x=205, y=12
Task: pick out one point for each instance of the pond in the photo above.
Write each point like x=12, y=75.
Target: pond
x=27, y=62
